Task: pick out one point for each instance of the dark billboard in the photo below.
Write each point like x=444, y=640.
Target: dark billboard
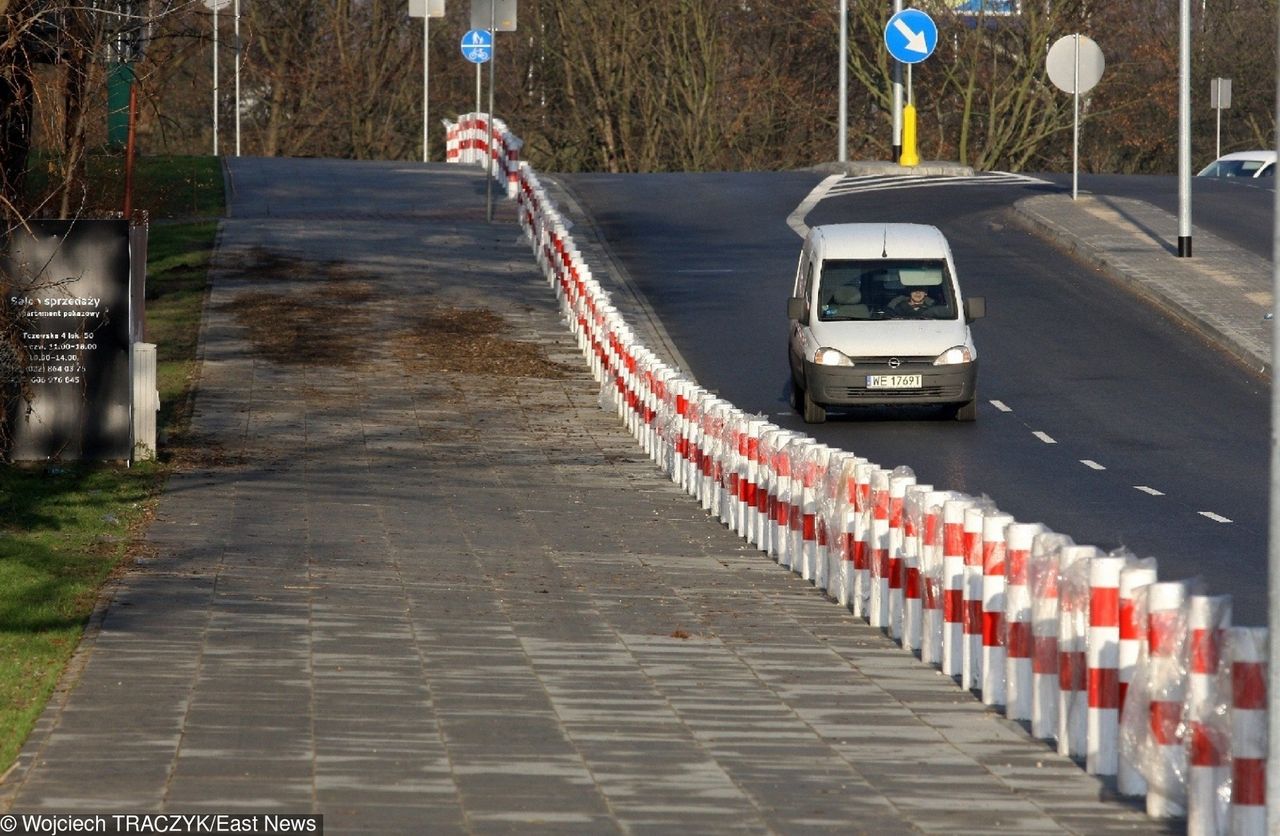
x=66, y=294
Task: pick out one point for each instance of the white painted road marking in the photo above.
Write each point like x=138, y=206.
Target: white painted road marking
x=1091, y=464
x=1045, y=437
x=796, y=219
x=1147, y=490
x=1215, y=517
x=1000, y=405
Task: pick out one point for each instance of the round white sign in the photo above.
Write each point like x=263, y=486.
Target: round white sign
x=1064, y=55
x=216, y=5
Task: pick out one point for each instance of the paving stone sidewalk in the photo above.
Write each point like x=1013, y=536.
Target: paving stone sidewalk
x=419, y=601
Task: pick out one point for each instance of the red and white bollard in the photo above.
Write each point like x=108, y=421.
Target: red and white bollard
x=1248, y=648
x=751, y=484
x=1017, y=619
x=971, y=613
x=818, y=560
x=878, y=609
x=770, y=442
x=1135, y=575
x=1043, y=577
x=1103, y=657
x=848, y=524
x=1208, y=617
x=779, y=537
x=1073, y=631
x=901, y=479
x=953, y=513
x=1166, y=635
x=933, y=602
x=833, y=502
x=912, y=580
x=994, y=551
x=814, y=466
x=862, y=537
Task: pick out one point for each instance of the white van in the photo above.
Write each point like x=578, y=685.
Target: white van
x=877, y=317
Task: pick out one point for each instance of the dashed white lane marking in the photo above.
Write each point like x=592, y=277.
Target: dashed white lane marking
x=1215, y=517
x=1000, y=405
x=1090, y=463
x=1045, y=437
x=1148, y=490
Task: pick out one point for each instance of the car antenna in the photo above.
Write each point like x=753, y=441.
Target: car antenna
x=884, y=248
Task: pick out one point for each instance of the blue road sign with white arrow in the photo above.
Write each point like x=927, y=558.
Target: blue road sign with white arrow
x=911, y=36
x=477, y=46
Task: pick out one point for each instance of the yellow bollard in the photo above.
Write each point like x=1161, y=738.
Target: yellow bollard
x=909, y=154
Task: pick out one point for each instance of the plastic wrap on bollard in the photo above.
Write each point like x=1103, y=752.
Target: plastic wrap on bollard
x=734, y=466
x=814, y=463
x=912, y=583
x=848, y=528
x=831, y=520
x=1152, y=725
x=797, y=450
x=900, y=480
x=765, y=489
x=1073, y=631
x=1137, y=574
x=779, y=478
x=1016, y=626
x=878, y=550
x=862, y=537
x=1208, y=726
x=1042, y=575
x=931, y=574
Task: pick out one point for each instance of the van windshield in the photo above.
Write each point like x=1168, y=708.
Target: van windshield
x=885, y=288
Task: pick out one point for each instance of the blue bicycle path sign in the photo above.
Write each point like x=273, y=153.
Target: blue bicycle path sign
x=911, y=36
x=477, y=46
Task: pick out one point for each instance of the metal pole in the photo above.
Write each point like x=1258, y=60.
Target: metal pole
x=843, y=128
x=1075, y=120
x=1184, y=129
x=1273, y=549
x=479, y=69
x=1217, y=146
x=215, y=80
x=897, y=99
x=493, y=59
x=426, y=101
x=237, y=77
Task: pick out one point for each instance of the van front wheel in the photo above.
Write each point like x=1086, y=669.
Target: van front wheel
x=812, y=412
x=967, y=411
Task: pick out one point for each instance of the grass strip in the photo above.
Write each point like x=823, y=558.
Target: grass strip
x=65, y=530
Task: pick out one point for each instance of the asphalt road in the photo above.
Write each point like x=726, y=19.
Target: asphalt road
x=1113, y=425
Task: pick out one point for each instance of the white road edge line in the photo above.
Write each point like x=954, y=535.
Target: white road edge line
x=1148, y=490
x=1045, y=437
x=1215, y=517
x=796, y=219
x=1000, y=405
x=1090, y=463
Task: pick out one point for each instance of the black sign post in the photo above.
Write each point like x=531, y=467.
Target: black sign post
x=66, y=286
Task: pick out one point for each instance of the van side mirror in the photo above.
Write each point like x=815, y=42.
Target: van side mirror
x=975, y=307
x=795, y=307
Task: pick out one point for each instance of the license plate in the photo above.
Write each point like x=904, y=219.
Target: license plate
x=894, y=381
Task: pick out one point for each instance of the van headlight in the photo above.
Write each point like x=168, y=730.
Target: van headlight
x=954, y=355
x=830, y=357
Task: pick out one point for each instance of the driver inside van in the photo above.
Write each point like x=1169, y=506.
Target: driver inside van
x=914, y=305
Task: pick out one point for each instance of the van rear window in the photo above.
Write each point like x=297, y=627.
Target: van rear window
x=885, y=288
